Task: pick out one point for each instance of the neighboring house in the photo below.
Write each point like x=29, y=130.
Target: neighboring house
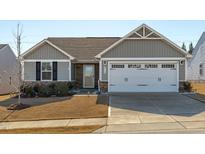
x=8, y=70
x=196, y=65
x=141, y=61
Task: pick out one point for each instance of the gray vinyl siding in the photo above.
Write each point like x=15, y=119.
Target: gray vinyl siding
x=63, y=71
x=29, y=71
x=8, y=70
x=46, y=51
x=142, y=48
x=181, y=72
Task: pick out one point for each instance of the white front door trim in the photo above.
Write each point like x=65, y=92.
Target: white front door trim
x=93, y=71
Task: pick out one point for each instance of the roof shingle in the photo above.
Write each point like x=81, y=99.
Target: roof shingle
x=2, y=45
x=83, y=49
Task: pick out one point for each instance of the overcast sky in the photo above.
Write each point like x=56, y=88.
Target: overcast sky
x=35, y=31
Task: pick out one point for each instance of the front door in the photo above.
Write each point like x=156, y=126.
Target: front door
x=88, y=76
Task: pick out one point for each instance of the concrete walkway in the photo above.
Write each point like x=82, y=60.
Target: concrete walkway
x=52, y=123
x=170, y=127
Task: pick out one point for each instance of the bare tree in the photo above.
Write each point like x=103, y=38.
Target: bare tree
x=18, y=38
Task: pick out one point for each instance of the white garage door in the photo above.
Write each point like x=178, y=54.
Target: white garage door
x=143, y=77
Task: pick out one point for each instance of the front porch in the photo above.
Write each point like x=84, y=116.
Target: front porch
x=85, y=75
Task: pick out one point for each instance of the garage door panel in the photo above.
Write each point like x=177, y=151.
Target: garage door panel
x=143, y=79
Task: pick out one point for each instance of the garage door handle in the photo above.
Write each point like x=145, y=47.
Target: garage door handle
x=173, y=85
x=142, y=85
x=112, y=84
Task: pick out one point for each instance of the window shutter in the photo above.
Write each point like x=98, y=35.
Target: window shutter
x=55, y=71
x=38, y=71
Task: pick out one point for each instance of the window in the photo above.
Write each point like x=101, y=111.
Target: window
x=118, y=66
x=134, y=65
x=151, y=65
x=168, y=66
x=46, y=71
x=201, y=70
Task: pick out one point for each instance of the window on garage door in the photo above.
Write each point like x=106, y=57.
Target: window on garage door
x=118, y=66
x=134, y=65
x=151, y=65
x=171, y=66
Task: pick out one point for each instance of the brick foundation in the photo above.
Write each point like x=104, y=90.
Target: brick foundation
x=103, y=86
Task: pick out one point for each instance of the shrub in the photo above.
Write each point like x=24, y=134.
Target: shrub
x=62, y=89
x=47, y=89
x=187, y=86
x=29, y=91
x=44, y=91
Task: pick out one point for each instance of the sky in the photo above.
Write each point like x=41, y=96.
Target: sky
x=34, y=31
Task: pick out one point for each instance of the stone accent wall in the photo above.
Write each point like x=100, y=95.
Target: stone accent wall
x=79, y=75
x=103, y=86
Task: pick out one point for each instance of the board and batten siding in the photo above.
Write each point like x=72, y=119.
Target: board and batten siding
x=142, y=48
x=46, y=51
x=63, y=71
x=29, y=71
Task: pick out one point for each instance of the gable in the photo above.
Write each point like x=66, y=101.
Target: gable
x=142, y=48
x=143, y=42
x=45, y=51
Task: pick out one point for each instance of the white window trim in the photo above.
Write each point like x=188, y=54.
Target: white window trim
x=47, y=71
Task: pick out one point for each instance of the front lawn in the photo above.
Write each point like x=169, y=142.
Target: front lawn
x=57, y=108
x=199, y=87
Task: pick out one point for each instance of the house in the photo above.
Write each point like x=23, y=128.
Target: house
x=8, y=70
x=141, y=61
x=196, y=65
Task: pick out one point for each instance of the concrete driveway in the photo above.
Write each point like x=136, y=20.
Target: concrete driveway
x=154, y=112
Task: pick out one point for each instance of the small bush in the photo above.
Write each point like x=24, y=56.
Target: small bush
x=187, y=86
x=62, y=89
x=44, y=91
x=47, y=89
x=29, y=91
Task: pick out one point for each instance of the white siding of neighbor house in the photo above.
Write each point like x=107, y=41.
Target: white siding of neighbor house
x=194, y=63
x=8, y=63
x=63, y=71
x=46, y=51
x=29, y=71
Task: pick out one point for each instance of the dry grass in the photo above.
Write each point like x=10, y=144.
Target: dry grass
x=199, y=87
x=69, y=108
x=65, y=130
x=4, y=97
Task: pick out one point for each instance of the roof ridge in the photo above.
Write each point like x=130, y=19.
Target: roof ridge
x=82, y=37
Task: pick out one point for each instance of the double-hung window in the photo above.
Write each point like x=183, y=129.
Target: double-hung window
x=46, y=71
